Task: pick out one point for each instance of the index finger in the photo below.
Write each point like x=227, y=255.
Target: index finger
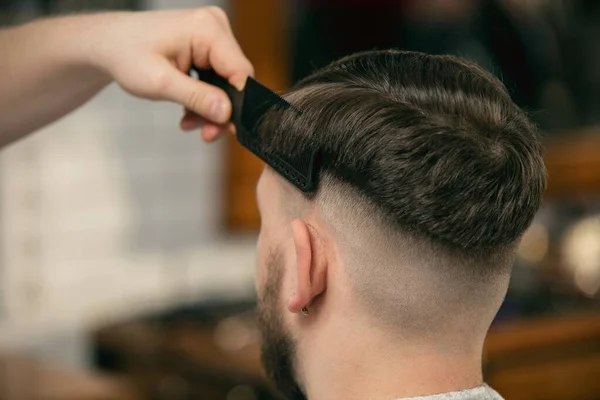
x=221, y=52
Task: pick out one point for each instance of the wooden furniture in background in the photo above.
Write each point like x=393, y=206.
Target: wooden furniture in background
x=573, y=163
x=261, y=29
x=185, y=359
x=26, y=379
x=554, y=358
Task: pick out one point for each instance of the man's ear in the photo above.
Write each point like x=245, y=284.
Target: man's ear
x=311, y=267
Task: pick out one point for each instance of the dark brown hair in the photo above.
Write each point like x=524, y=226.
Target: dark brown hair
x=435, y=142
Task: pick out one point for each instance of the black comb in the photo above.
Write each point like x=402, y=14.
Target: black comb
x=248, y=109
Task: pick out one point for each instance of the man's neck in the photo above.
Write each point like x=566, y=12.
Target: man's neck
x=367, y=368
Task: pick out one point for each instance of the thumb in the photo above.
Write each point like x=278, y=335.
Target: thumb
x=204, y=99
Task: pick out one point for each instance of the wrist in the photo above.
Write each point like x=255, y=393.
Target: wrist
x=97, y=39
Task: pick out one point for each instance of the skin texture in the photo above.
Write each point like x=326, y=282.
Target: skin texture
x=50, y=67
x=339, y=350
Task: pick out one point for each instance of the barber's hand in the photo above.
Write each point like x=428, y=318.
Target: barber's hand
x=150, y=53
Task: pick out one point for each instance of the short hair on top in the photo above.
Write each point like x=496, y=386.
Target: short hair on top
x=433, y=143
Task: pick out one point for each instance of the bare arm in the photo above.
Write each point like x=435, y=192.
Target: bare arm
x=44, y=76
x=51, y=67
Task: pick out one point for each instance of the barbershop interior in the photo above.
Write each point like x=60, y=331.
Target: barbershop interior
x=127, y=247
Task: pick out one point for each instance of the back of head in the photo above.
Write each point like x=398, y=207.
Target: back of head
x=430, y=174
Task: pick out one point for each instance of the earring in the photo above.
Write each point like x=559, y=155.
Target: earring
x=305, y=310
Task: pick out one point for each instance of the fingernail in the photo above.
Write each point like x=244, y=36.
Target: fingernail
x=239, y=83
x=219, y=111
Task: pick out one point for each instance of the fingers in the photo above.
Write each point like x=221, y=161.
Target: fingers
x=191, y=121
x=210, y=131
x=221, y=17
x=216, y=46
x=203, y=99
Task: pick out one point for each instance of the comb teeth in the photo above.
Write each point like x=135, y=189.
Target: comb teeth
x=258, y=101
x=249, y=108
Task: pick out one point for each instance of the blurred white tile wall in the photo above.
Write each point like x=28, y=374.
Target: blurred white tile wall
x=111, y=208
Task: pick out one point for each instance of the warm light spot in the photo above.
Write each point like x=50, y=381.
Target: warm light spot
x=581, y=253
x=587, y=283
x=534, y=245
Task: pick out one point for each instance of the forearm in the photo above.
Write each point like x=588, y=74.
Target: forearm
x=46, y=71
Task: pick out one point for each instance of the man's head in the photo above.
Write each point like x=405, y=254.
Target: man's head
x=430, y=175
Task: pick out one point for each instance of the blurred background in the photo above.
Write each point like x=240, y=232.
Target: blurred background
x=127, y=247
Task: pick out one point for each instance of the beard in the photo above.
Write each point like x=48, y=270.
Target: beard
x=278, y=351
